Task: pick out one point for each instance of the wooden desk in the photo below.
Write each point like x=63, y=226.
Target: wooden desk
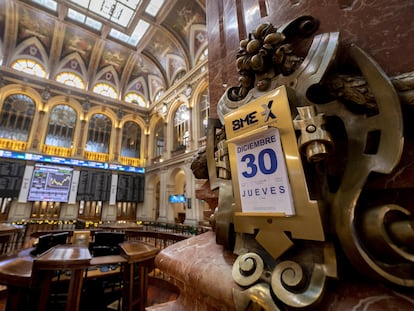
x=23, y=273
x=105, y=261
x=140, y=257
x=16, y=273
x=10, y=237
x=61, y=257
x=120, y=225
x=16, y=269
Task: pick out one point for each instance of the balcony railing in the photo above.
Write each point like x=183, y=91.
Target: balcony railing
x=59, y=151
x=96, y=156
x=131, y=161
x=12, y=144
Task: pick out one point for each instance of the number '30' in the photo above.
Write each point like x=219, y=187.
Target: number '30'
x=265, y=167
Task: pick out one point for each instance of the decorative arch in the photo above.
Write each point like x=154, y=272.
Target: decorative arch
x=138, y=85
x=16, y=89
x=181, y=99
x=202, y=56
x=175, y=65
x=176, y=177
x=135, y=99
x=75, y=64
x=153, y=121
x=115, y=124
x=32, y=49
x=156, y=84
x=130, y=140
x=141, y=123
x=9, y=89
x=101, y=109
x=48, y=109
x=153, y=201
x=135, y=118
x=198, y=89
x=152, y=140
x=177, y=138
x=198, y=130
x=67, y=100
x=177, y=185
x=198, y=42
x=109, y=76
x=179, y=182
x=178, y=76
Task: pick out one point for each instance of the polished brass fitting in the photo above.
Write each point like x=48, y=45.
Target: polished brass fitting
x=222, y=160
x=314, y=142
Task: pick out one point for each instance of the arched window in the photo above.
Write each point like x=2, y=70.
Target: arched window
x=131, y=140
x=70, y=79
x=181, y=128
x=105, y=89
x=99, y=134
x=178, y=76
x=158, y=95
x=159, y=139
x=30, y=67
x=204, y=106
x=203, y=56
x=16, y=117
x=135, y=99
x=61, y=127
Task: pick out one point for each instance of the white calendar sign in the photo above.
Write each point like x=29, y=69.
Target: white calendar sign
x=262, y=174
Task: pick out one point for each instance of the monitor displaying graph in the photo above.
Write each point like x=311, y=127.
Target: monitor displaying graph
x=50, y=183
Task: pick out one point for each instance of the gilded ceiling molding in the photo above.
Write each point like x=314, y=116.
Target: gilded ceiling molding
x=56, y=48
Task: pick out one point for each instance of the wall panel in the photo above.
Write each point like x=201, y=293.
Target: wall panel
x=383, y=28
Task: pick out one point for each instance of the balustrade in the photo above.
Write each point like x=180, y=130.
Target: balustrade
x=12, y=144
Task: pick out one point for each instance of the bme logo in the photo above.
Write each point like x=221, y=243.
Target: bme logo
x=251, y=118
x=267, y=113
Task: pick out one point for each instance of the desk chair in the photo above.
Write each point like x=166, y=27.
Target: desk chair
x=49, y=240
x=43, y=244
x=59, y=238
x=107, y=243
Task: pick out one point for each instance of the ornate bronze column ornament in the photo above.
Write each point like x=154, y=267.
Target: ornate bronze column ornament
x=335, y=131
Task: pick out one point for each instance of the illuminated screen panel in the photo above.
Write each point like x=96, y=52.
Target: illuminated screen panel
x=66, y=161
x=177, y=198
x=50, y=183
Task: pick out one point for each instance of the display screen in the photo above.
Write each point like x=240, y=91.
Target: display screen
x=177, y=198
x=50, y=183
x=94, y=186
x=130, y=188
x=11, y=177
x=66, y=161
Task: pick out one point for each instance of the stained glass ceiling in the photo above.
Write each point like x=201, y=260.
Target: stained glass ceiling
x=122, y=15
x=118, y=12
